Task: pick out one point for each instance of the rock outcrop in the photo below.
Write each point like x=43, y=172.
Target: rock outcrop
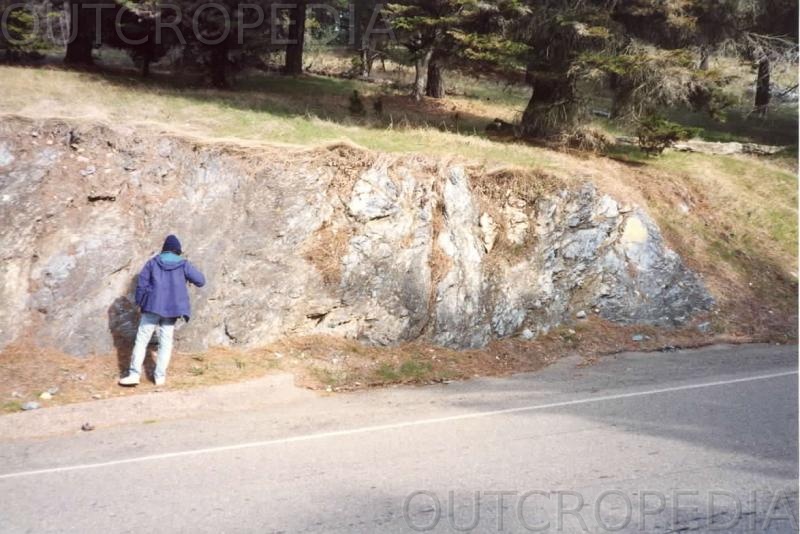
x=714, y=148
x=336, y=240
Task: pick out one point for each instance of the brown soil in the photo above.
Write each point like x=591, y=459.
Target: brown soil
x=329, y=363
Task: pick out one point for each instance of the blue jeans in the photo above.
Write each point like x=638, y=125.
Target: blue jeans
x=148, y=324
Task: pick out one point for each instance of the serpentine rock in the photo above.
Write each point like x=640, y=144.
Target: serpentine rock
x=333, y=240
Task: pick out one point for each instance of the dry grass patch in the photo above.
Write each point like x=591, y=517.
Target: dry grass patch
x=495, y=186
x=325, y=250
x=327, y=363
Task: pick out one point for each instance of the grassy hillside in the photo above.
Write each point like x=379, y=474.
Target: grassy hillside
x=275, y=109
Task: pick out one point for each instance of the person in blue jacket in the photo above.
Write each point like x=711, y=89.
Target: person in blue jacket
x=163, y=297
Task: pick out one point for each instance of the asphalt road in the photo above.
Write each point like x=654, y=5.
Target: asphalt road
x=684, y=441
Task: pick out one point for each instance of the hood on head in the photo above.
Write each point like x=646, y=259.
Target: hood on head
x=172, y=244
x=169, y=265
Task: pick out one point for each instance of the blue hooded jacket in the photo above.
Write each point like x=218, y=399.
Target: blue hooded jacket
x=162, y=285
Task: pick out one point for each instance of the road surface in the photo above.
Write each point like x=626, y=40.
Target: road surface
x=666, y=442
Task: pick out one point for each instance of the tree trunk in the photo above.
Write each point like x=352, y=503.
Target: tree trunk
x=359, y=13
x=147, y=56
x=371, y=55
x=553, y=107
x=622, y=92
x=421, y=73
x=705, y=56
x=297, y=31
x=435, y=85
x=219, y=65
x=365, y=63
x=763, y=87
x=81, y=34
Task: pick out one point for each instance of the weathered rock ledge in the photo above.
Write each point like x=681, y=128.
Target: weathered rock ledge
x=333, y=240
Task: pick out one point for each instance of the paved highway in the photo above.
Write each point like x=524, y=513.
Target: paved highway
x=696, y=440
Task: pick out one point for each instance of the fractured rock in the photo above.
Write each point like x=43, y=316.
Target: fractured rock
x=301, y=243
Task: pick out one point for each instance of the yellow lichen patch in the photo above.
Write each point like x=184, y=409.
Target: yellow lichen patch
x=635, y=231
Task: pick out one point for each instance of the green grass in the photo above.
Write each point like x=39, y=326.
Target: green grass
x=415, y=370
x=756, y=218
x=252, y=113
x=514, y=96
x=412, y=370
x=11, y=406
x=629, y=154
x=778, y=128
x=323, y=375
x=302, y=85
x=306, y=110
x=386, y=372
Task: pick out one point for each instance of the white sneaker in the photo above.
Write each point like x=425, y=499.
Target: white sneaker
x=160, y=381
x=130, y=380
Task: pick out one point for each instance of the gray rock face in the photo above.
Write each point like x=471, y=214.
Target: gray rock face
x=331, y=241
x=461, y=297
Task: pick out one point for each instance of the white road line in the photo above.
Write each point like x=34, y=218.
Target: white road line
x=391, y=426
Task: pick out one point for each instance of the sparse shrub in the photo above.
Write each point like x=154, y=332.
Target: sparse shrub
x=415, y=370
x=656, y=134
x=356, y=104
x=588, y=139
x=387, y=373
x=11, y=406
